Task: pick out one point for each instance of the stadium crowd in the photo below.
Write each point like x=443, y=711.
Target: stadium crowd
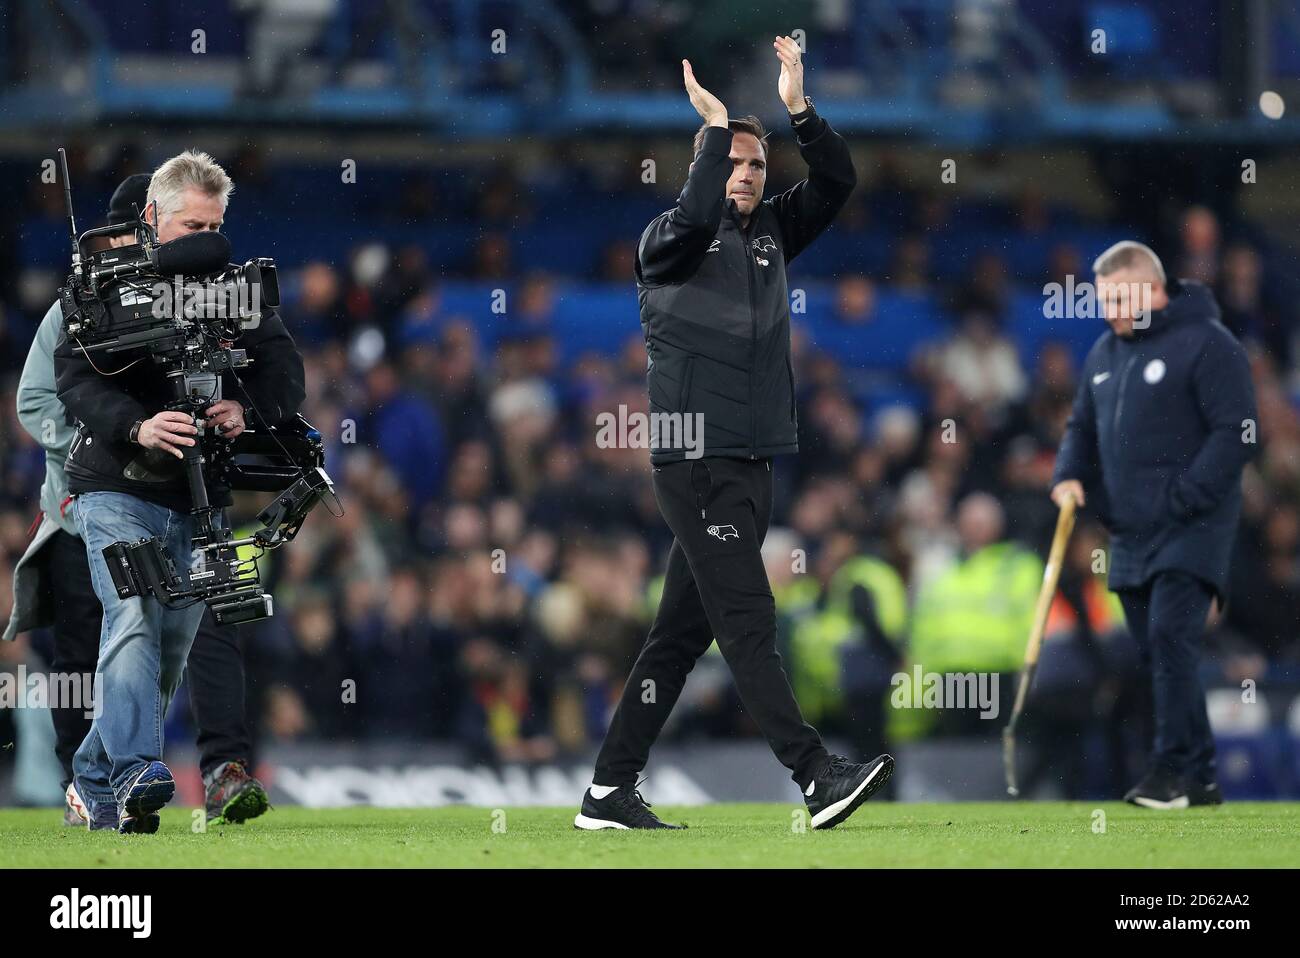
x=493, y=574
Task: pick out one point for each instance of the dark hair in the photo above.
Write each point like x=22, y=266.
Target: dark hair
x=746, y=124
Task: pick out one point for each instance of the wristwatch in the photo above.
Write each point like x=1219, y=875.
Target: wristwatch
x=797, y=118
x=135, y=431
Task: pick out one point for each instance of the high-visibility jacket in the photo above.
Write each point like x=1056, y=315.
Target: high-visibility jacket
x=817, y=646
x=1102, y=606
x=976, y=616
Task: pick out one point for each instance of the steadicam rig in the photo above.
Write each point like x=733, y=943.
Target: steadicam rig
x=217, y=575
x=181, y=307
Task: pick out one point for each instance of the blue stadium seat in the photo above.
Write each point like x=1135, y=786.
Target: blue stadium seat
x=1251, y=749
x=1252, y=767
x=473, y=302
x=1131, y=28
x=597, y=319
x=1031, y=330
x=902, y=323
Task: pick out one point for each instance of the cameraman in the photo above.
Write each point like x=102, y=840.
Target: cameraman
x=56, y=555
x=125, y=487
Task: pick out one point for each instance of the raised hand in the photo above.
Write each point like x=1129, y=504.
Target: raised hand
x=790, y=84
x=706, y=104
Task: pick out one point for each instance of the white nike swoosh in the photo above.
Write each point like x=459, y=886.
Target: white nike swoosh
x=1100, y=378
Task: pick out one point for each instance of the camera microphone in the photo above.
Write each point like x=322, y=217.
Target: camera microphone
x=194, y=254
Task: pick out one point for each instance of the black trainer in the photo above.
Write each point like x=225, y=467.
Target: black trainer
x=1204, y=794
x=1161, y=789
x=622, y=808
x=842, y=786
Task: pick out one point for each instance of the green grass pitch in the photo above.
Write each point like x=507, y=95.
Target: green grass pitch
x=1030, y=834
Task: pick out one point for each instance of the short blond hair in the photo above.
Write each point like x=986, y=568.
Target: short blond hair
x=192, y=169
x=1126, y=254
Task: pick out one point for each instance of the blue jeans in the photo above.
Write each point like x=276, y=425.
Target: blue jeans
x=142, y=645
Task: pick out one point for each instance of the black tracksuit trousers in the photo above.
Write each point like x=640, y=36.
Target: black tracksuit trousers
x=214, y=671
x=716, y=587
x=1166, y=618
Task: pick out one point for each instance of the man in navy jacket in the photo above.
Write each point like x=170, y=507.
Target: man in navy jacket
x=1162, y=425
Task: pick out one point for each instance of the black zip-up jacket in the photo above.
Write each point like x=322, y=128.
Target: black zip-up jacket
x=1162, y=426
x=106, y=407
x=715, y=309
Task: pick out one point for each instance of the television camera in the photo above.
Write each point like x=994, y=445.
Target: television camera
x=181, y=306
